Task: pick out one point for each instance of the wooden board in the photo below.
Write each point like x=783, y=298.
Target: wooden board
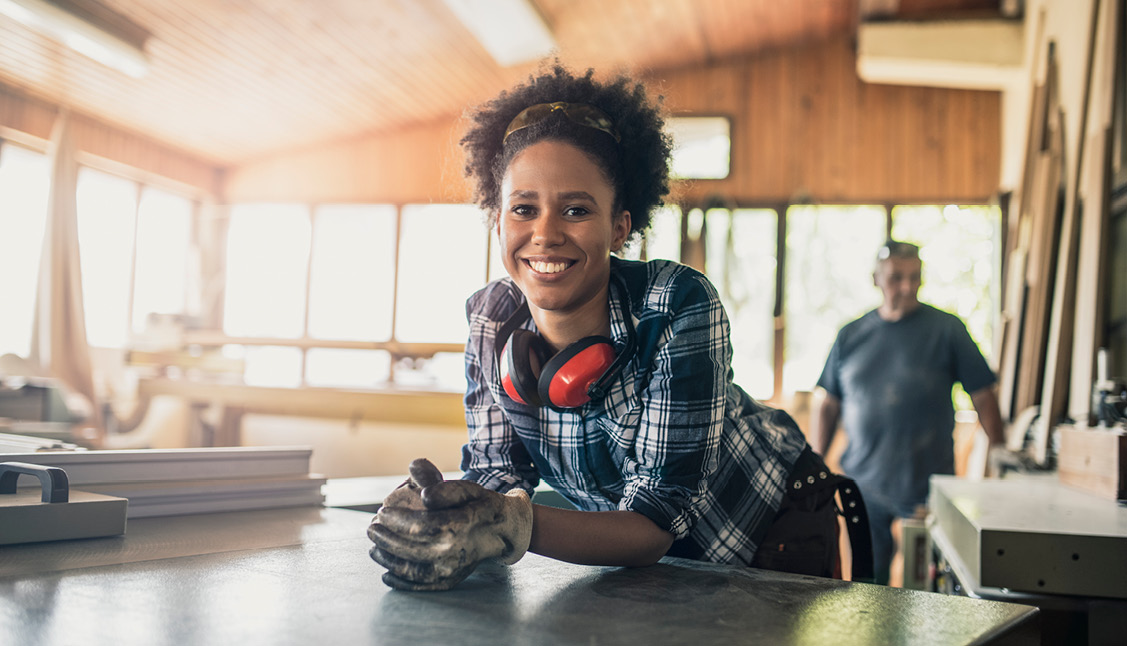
x=1094, y=460
x=1093, y=189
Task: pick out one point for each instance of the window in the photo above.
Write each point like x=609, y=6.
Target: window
x=829, y=281
x=23, y=194
x=663, y=239
x=741, y=247
x=702, y=147
x=267, y=264
x=441, y=263
x=107, y=219
x=352, y=283
x=375, y=274
x=352, y=276
x=164, y=243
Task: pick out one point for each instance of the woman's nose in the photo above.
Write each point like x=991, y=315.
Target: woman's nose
x=546, y=230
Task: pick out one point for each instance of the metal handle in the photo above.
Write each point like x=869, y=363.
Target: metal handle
x=56, y=487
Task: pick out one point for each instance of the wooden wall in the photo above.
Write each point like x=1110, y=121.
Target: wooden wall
x=415, y=165
x=804, y=126
x=30, y=121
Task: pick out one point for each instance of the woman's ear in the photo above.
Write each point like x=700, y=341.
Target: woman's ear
x=622, y=224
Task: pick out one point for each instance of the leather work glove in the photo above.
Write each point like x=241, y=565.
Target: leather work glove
x=432, y=533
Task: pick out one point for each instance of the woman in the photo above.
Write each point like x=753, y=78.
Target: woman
x=607, y=378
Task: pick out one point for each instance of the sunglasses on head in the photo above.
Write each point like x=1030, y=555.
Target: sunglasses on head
x=579, y=113
x=896, y=249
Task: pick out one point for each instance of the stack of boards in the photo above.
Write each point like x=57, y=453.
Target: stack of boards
x=172, y=482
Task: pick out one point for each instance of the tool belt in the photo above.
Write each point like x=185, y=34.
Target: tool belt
x=811, y=484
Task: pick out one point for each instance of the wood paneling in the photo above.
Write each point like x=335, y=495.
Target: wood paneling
x=803, y=126
x=812, y=128
x=415, y=165
x=30, y=120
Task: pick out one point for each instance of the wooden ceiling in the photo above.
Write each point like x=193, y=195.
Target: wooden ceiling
x=233, y=81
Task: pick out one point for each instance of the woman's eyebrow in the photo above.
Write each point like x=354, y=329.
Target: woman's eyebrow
x=578, y=195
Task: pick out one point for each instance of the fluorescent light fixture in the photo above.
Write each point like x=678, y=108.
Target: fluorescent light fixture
x=88, y=28
x=512, y=31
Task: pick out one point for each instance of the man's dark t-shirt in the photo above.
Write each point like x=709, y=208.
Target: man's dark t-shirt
x=894, y=380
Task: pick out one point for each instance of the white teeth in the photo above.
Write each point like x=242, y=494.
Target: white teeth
x=547, y=267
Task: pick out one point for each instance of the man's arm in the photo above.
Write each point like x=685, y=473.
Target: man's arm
x=824, y=423
x=986, y=405
x=622, y=538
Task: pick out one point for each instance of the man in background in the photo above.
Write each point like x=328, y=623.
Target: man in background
x=888, y=379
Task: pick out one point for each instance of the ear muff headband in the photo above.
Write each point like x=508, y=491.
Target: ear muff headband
x=567, y=383
x=518, y=376
x=566, y=378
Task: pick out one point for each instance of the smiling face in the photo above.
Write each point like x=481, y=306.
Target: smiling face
x=899, y=280
x=557, y=229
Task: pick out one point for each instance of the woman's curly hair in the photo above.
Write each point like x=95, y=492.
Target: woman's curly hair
x=637, y=166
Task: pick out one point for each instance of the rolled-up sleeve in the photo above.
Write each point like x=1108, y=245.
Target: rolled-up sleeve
x=682, y=416
x=494, y=456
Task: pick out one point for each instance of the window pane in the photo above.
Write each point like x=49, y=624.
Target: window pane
x=663, y=239
x=441, y=263
x=702, y=147
x=107, y=216
x=164, y=235
x=353, y=273
x=267, y=264
x=741, y=263
x=275, y=366
x=444, y=371
x=831, y=251
x=24, y=181
x=342, y=368
x=961, y=252
x=496, y=264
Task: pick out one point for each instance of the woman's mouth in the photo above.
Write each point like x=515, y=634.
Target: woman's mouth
x=547, y=267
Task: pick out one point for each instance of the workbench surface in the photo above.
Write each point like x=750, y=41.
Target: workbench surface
x=303, y=576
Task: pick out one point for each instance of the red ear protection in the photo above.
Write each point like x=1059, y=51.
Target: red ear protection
x=518, y=372
x=532, y=376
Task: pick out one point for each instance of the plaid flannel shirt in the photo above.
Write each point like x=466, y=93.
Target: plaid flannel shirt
x=673, y=439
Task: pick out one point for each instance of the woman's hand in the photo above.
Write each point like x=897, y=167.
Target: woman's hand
x=431, y=534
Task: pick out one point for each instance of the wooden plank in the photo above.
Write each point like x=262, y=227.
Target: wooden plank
x=1094, y=459
x=1093, y=189
x=1016, y=254
x=1011, y=321
x=1060, y=345
x=1044, y=209
x=1042, y=227
x=1059, y=349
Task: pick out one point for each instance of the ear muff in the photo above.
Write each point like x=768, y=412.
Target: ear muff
x=518, y=374
x=566, y=378
x=532, y=376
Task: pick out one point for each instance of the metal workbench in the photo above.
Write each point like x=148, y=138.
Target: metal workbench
x=303, y=576
x=1032, y=540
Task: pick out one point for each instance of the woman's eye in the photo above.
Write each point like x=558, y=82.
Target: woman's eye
x=523, y=210
x=576, y=211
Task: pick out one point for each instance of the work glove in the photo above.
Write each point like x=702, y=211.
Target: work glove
x=432, y=533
